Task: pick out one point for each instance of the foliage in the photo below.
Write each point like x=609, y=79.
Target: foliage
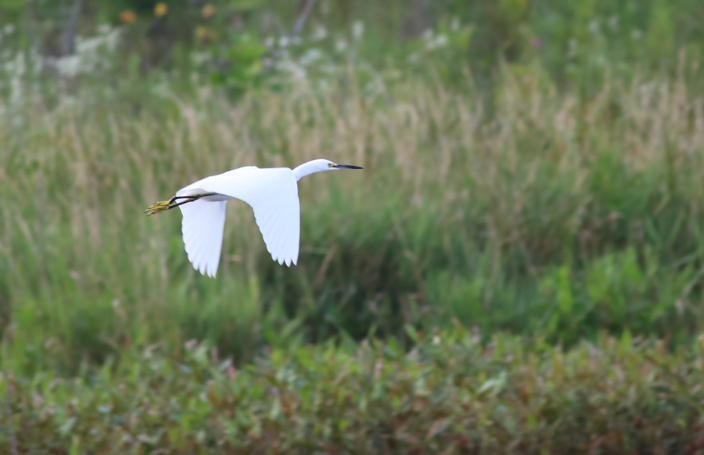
x=240, y=65
x=531, y=167
x=577, y=43
x=450, y=393
x=548, y=218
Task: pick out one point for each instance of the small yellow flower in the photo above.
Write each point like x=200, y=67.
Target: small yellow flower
x=160, y=9
x=128, y=17
x=207, y=11
x=203, y=33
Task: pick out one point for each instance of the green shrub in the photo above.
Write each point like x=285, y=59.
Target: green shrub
x=450, y=393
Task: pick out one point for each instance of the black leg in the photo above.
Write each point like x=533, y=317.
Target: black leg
x=168, y=205
x=173, y=206
x=191, y=198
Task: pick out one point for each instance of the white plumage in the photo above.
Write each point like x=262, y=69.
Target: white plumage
x=273, y=195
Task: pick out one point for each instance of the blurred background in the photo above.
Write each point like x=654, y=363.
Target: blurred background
x=531, y=167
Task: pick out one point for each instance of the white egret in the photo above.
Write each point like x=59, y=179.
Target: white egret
x=272, y=193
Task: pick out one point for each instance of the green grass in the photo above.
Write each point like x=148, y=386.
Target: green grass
x=536, y=181
x=540, y=197
x=554, y=217
x=450, y=394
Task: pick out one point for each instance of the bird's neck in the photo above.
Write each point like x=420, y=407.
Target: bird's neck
x=306, y=169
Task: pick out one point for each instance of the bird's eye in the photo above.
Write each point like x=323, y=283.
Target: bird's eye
x=331, y=164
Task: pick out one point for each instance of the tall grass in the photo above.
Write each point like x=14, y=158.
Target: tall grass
x=554, y=216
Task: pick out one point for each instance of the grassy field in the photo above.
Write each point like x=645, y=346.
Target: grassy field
x=519, y=267
x=555, y=217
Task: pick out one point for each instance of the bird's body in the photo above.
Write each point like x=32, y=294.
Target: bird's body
x=271, y=192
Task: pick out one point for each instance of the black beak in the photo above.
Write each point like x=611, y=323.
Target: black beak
x=346, y=166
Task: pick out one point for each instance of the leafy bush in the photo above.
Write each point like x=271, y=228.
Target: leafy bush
x=450, y=393
x=577, y=43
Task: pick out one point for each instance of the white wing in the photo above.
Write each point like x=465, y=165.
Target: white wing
x=203, y=224
x=272, y=193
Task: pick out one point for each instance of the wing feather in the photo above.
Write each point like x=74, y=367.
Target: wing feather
x=278, y=233
x=273, y=195
x=274, y=238
x=202, y=225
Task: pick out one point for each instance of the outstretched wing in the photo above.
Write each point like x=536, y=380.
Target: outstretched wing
x=272, y=193
x=202, y=225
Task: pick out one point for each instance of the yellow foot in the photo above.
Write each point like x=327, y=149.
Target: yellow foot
x=158, y=208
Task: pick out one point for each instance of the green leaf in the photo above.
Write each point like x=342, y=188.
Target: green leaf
x=411, y=332
x=564, y=290
x=67, y=426
x=246, y=5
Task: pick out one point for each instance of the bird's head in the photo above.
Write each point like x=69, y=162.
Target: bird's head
x=320, y=165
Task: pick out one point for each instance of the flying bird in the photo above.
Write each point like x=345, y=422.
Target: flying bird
x=271, y=192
